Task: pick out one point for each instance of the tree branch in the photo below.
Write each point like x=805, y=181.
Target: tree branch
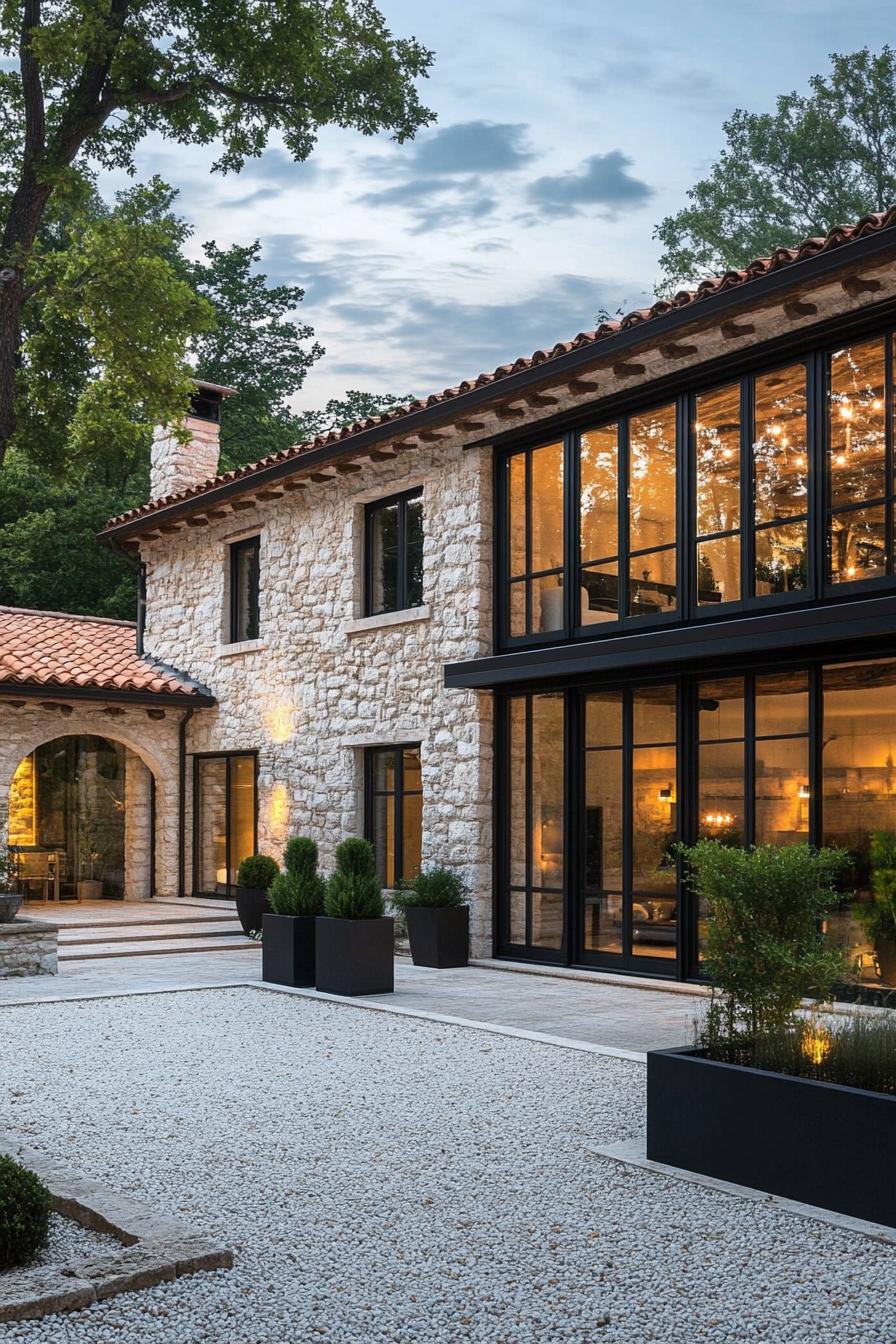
x=32, y=85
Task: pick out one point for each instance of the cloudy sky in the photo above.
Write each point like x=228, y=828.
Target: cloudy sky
x=565, y=132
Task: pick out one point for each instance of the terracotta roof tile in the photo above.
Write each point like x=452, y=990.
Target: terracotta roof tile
x=781, y=257
x=53, y=649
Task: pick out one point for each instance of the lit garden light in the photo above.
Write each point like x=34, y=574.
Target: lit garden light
x=816, y=1043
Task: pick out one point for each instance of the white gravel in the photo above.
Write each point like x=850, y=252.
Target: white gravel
x=68, y=1241
x=385, y=1180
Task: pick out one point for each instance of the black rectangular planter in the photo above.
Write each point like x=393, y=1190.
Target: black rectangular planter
x=287, y=949
x=819, y=1143
x=355, y=956
x=439, y=936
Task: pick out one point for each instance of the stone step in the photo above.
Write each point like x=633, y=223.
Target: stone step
x=49, y=912
x=158, y=948
x=144, y=933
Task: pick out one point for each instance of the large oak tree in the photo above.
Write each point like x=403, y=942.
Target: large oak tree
x=95, y=77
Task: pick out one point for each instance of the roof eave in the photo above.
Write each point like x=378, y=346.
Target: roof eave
x=743, y=295
x=15, y=690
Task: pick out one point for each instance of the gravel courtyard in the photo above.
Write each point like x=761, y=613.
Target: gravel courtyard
x=385, y=1180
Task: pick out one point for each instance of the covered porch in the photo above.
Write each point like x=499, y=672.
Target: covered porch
x=92, y=755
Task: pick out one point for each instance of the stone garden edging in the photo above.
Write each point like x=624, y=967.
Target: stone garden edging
x=156, y=1248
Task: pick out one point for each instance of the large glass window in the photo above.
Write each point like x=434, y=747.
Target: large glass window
x=859, y=478
x=394, y=808
x=536, y=822
x=629, y=898
x=652, y=510
x=536, y=540
x=717, y=438
x=394, y=553
x=780, y=481
x=599, y=524
x=225, y=820
x=244, y=589
x=859, y=794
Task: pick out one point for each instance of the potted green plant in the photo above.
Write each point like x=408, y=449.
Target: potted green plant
x=253, y=881
x=10, y=896
x=288, y=928
x=879, y=915
x=765, y=1093
x=435, y=904
x=354, y=936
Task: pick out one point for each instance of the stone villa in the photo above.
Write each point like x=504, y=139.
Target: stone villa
x=637, y=587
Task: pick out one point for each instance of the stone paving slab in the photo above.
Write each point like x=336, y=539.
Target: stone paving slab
x=156, y=1248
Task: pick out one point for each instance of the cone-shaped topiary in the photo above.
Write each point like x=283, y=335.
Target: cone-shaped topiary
x=354, y=891
x=257, y=871
x=24, y=1213
x=300, y=890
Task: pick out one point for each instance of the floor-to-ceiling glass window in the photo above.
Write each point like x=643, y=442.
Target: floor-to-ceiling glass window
x=717, y=431
x=629, y=899
x=780, y=482
x=225, y=819
x=535, y=541
x=858, y=753
x=860, y=482
x=534, y=915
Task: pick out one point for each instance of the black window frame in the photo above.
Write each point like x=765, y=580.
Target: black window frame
x=227, y=756
x=398, y=792
x=402, y=500
x=246, y=545
x=813, y=350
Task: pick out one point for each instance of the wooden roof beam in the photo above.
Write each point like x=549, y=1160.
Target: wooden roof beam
x=582, y=387
x=854, y=285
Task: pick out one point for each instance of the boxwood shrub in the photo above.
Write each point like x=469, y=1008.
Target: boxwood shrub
x=24, y=1213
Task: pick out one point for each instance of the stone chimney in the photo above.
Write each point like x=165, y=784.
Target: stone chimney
x=176, y=466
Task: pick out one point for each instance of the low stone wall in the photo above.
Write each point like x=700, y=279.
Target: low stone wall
x=28, y=947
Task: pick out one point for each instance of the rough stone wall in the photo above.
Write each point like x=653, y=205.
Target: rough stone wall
x=154, y=742
x=320, y=684
x=176, y=466
x=28, y=947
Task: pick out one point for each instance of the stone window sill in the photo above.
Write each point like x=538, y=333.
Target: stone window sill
x=409, y=616
x=245, y=646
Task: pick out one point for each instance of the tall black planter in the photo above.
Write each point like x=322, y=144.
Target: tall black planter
x=251, y=904
x=287, y=949
x=439, y=935
x=355, y=956
x=819, y=1143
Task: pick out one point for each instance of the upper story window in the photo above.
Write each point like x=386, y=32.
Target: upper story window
x=244, y=589
x=393, y=538
x=777, y=486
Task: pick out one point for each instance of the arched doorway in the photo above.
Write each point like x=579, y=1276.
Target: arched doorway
x=75, y=820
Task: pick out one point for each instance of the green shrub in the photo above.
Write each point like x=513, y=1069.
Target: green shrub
x=433, y=887
x=299, y=890
x=354, y=891
x=24, y=1213
x=258, y=871
x=765, y=949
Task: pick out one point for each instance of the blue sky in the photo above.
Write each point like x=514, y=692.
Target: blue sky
x=565, y=132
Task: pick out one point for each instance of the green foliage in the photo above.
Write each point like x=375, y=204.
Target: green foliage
x=879, y=916
x=258, y=871
x=765, y=949
x=346, y=410
x=24, y=1213
x=820, y=159
x=859, y=1051
x=354, y=891
x=91, y=83
x=436, y=887
x=300, y=890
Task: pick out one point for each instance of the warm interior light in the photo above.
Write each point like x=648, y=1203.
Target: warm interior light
x=845, y=411
x=800, y=461
x=840, y=459
x=877, y=404
x=851, y=571
x=716, y=820
x=816, y=1043
x=804, y=791
x=775, y=430
x=665, y=793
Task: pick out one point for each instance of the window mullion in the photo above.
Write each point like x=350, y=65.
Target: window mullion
x=888, y=432
x=622, y=504
x=747, y=493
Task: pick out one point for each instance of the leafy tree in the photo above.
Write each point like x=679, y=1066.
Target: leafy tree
x=345, y=410
x=94, y=79
x=820, y=159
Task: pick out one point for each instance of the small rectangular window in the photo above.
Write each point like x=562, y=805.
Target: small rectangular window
x=394, y=811
x=394, y=553
x=244, y=589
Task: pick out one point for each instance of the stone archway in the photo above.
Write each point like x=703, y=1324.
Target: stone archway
x=148, y=751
